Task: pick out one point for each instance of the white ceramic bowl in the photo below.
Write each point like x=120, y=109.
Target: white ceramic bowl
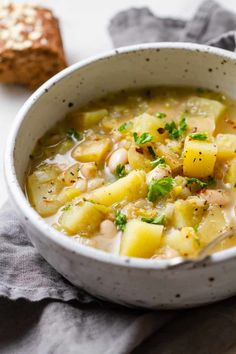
x=128, y=281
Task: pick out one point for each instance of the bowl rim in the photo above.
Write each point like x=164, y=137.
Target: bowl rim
x=17, y=196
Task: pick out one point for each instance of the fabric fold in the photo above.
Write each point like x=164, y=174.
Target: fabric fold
x=24, y=273
x=211, y=25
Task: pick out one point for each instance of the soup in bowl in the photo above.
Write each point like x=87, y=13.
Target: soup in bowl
x=121, y=169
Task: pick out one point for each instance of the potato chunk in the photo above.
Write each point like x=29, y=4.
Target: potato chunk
x=68, y=194
x=46, y=173
x=86, y=120
x=140, y=239
x=212, y=225
x=199, y=158
x=81, y=219
x=129, y=188
x=201, y=108
x=230, y=176
x=92, y=151
x=185, y=241
x=188, y=212
x=196, y=124
x=171, y=158
x=70, y=175
x=145, y=123
x=203, y=114
x=226, y=144
x=138, y=159
x=43, y=188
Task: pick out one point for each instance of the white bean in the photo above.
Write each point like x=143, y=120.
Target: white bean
x=158, y=173
x=118, y=157
x=108, y=229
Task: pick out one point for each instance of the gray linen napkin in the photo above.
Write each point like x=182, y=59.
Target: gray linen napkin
x=211, y=25
x=41, y=312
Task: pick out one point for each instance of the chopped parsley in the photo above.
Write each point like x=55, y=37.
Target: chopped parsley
x=160, y=115
x=74, y=134
x=199, y=136
x=158, y=161
x=151, y=151
x=200, y=90
x=195, y=227
x=89, y=200
x=211, y=181
x=123, y=127
x=143, y=139
x=159, y=220
x=120, y=171
x=120, y=220
x=198, y=182
x=67, y=207
x=159, y=188
x=172, y=130
x=182, y=125
x=175, y=132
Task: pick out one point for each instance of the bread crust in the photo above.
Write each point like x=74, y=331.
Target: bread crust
x=31, y=49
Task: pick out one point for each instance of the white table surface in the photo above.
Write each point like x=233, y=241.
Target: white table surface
x=84, y=31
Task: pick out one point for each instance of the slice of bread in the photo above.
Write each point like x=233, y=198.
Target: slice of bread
x=31, y=49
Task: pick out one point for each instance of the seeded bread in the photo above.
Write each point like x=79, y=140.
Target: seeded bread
x=31, y=49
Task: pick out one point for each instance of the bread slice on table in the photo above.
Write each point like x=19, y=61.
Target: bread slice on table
x=31, y=49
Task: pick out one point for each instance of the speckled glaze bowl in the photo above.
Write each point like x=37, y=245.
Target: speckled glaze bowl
x=128, y=281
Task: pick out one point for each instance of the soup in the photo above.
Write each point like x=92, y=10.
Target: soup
x=147, y=174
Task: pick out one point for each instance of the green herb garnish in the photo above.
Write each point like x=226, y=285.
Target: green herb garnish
x=200, y=90
x=89, y=200
x=151, y=151
x=158, y=161
x=159, y=188
x=211, y=181
x=199, y=136
x=159, y=220
x=193, y=180
x=120, y=220
x=123, y=127
x=160, y=115
x=175, y=132
x=120, y=171
x=67, y=207
x=182, y=125
x=195, y=227
x=172, y=130
x=143, y=139
x=73, y=133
